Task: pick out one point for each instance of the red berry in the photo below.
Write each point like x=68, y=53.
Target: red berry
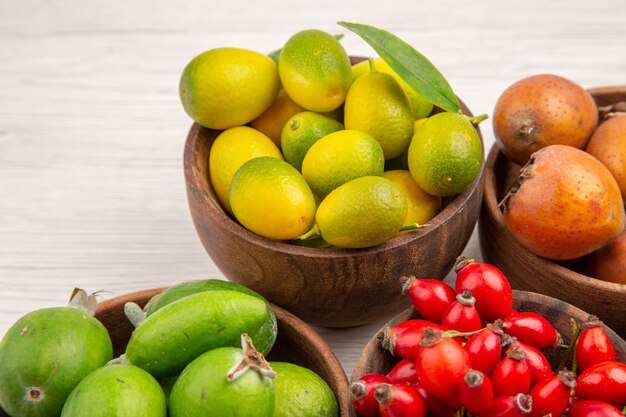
x=362, y=394
x=434, y=407
x=593, y=345
x=519, y=405
x=430, y=297
x=537, y=362
x=551, y=396
x=476, y=392
x=485, y=349
x=511, y=375
x=441, y=365
x=605, y=381
x=532, y=328
x=494, y=298
x=592, y=408
x=462, y=315
x=403, y=373
x=405, y=342
x=399, y=400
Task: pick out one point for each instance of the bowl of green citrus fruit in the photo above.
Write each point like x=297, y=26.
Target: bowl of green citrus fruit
x=320, y=179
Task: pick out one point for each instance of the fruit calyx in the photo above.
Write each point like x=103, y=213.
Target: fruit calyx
x=473, y=378
x=592, y=321
x=431, y=337
x=357, y=390
x=516, y=353
x=35, y=394
x=461, y=262
x=83, y=301
x=407, y=283
x=524, y=403
x=466, y=298
x=525, y=172
x=382, y=392
x=252, y=359
x=568, y=378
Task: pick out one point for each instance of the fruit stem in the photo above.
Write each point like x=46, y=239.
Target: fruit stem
x=455, y=333
x=372, y=64
x=412, y=226
x=570, y=348
x=314, y=233
x=475, y=120
x=252, y=359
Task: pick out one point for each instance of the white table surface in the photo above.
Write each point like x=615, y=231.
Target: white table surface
x=91, y=129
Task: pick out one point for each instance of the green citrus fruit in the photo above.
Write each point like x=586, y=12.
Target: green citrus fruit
x=377, y=105
x=420, y=107
x=273, y=119
x=445, y=154
x=340, y=157
x=269, y=197
x=227, y=87
x=363, y=212
x=230, y=150
x=300, y=392
x=302, y=131
x=315, y=70
x=421, y=206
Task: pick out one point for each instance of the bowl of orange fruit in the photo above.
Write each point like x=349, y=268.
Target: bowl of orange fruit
x=321, y=198
x=553, y=207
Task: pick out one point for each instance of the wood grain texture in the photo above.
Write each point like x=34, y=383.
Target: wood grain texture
x=376, y=359
x=92, y=191
x=529, y=272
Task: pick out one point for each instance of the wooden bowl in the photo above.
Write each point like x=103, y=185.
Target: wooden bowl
x=327, y=287
x=296, y=342
x=375, y=359
x=530, y=272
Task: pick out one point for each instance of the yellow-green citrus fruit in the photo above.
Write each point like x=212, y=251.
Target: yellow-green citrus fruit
x=302, y=131
x=230, y=150
x=273, y=119
x=340, y=157
x=361, y=213
x=300, y=392
x=420, y=107
x=270, y=198
x=227, y=87
x=315, y=70
x=445, y=154
x=421, y=206
x=377, y=105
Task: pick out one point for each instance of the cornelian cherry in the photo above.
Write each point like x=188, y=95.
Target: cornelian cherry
x=533, y=329
x=519, y=405
x=511, y=375
x=485, y=349
x=403, y=373
x=551, y=396
x=593, y=408
x=362, y=394
x=462, y=315
x=494, y=298
x=593, y=345
x=430, y=297
x=476, y=392
x=399, y=400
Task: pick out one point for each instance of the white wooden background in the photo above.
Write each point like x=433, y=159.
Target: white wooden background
x=91, y=130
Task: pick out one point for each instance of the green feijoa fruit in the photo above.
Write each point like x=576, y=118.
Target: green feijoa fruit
x=45, y=354
x=264, y=339
x=173, y=336
x=184, y=289
x=225, y=381
x=116, y=391
x=300, y=392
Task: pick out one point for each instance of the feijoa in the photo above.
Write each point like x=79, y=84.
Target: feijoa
x=116, y=391
x=45, y=354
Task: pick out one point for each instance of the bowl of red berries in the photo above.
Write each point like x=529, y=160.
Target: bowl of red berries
x=482, y=349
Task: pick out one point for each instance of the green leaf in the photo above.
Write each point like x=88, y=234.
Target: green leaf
x=410, y=65
x=276, y=54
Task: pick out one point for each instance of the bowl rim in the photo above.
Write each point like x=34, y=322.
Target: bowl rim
x=490, y=204
x=210, y=206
